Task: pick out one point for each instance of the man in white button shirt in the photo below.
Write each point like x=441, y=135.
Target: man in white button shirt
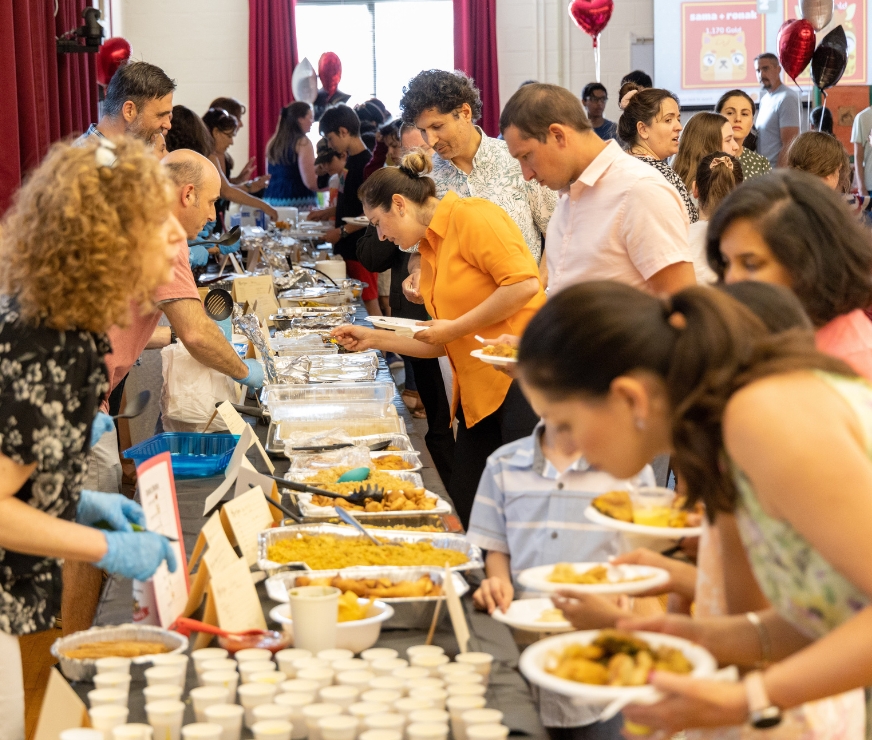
x=617, y=218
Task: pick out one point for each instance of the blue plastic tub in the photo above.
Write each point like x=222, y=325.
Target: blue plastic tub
x=193, y=455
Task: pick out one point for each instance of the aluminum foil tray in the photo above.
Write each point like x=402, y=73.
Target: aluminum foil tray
x=277, y=586
x=447, y=541
x=366, y=430
x=84, y=669
x=409, y=457
x=438, y=522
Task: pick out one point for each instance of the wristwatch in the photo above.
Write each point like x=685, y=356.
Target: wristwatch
x=173, y=336
x=762, y=713
x=343, y=232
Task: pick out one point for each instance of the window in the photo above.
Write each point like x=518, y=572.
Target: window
x=382, y=43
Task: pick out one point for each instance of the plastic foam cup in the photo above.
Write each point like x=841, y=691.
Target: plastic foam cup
x=296, y=702
x=106, y=717
x=407, y=705
x=430, y=716
x=113, y=681
x=165, y=718
x=228, y=679
x=333, y=654
x=381, y=735
x=112, y=665
x=482, y=662
x=201, y=656
x=360, y=679
x=391, y=683
x=362, y=709
x=273, y=677
x=314, y=611
x=466, y=689
x=102, y=697
x=162, y=692
x=487, y=732
x=386, y=721
x=217, y=664
x=252, y=695
x=179, y=662
x=373, y=654
x=453, y=669
x=255, y=666
x=132, y=731
x=407, y=674
x=430, y=661
x=424, y=649
x=285, y=659
x=427, y=731
x=299, y=686
x=202, y=731
x=229, y=716
x=273, y=711
x=249, y=654
x=272, y=729
x=381, y=696
x=315, y=712
x=454, y=679
x=431, y=694
x=349, y=664
x=340, y=727
x=344, y=696
x=81, y=733
x=456, y=706
x=425, y=683
x=322, y=676
x=207, y=696
x=386, y=666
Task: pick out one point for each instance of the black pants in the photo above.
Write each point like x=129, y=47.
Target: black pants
x=513, y=420
x=440, y=436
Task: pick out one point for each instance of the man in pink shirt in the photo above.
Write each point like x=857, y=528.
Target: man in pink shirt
x=617, y=219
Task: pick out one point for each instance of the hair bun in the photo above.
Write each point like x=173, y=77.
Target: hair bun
x=416, y=163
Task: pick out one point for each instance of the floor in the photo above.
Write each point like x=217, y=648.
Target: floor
x=37, y=661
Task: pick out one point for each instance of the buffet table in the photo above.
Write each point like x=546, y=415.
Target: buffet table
x=507, y=690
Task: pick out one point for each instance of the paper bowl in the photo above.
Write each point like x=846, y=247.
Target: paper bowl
x=355, y=636
x=84, y=669
x=537, y=656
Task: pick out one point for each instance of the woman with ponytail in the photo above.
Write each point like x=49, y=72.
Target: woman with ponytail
x=760, y=426
x=477, y=277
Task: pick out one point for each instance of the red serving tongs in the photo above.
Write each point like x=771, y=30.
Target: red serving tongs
x=185, y=626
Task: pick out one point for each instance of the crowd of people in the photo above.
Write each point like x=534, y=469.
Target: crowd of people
x=671, y=298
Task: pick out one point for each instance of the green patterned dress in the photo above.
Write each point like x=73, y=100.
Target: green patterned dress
x=753, y=164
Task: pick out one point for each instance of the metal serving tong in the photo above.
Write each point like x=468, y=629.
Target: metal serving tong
x=374, y=493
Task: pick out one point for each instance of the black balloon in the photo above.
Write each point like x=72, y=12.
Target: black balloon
x=830, y=59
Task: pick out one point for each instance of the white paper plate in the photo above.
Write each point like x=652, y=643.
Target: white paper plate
x=493, y=359
x=668, y=533
x=536, y=657
x=403, y=327
x=361, y=220
x=537, y=579
x=524, y=614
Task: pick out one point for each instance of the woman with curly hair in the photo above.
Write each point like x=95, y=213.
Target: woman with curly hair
x=89, y=235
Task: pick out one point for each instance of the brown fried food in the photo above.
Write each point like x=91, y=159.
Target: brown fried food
x=391, y=462
x=500, y=350
x=616, y=504
x=116, y=649
x=618, y=641
x=413, y=499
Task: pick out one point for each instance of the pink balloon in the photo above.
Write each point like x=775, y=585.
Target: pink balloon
x=112, y=54
x=796, y=41
x=591, y=16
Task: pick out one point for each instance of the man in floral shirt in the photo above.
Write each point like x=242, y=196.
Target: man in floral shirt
x=444, y=107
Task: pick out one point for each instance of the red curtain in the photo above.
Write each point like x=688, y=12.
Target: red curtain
x=272, y=56
x=47, y=96
x=475, y=52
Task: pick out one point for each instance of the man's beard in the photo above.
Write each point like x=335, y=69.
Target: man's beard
x=137, y=130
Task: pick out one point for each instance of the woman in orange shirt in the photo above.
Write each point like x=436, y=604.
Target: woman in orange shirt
x=477, y=277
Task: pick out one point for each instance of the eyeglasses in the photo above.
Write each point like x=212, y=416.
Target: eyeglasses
x=597, y=99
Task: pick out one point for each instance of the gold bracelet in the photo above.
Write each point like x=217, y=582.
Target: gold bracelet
x=763, y=635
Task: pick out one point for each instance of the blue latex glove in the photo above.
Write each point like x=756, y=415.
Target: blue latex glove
x=229, y=248
x=137, y=554
x=254, y=379
x=198, y=256
x=102, y=423
x=119, y=511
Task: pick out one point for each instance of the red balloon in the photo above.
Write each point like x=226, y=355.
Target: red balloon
x=330, y=72
x=113, y=53
x=591, y=16
x=795, y=46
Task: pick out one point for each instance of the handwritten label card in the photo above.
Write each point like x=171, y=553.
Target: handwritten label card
x=245, y=441
x=247, y=289
x=248, y=515
x=248, y=479
x=237, y=425
x=157, y=492
x=235, y=598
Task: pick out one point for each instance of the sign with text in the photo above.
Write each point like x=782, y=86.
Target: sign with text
x=719, y=42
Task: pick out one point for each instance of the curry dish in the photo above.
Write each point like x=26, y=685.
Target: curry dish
x=377, y=588
x=329, y=552
x=617, y=658
x=391, y=462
